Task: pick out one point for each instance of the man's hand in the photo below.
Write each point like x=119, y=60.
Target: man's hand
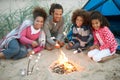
x=57, y=46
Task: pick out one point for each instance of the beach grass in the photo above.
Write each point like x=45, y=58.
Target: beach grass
x=12, y=19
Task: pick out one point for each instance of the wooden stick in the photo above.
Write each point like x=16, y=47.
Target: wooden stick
x=28, y=66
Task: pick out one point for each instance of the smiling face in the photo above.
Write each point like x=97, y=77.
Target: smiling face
x=79, y=21
x=38, y=22
x=57, y=15
x=96, y=24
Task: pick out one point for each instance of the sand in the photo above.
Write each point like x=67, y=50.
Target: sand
x=90, y=70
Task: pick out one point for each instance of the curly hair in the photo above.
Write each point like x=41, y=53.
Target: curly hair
x=55, y=6
x=39, y=12
x=82, y=13
x=100, y=17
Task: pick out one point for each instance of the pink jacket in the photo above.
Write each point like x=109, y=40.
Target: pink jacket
x=107, y=38
x=27, y=38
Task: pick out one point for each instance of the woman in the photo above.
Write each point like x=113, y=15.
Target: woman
x=18, y=40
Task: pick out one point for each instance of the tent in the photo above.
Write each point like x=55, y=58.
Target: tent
x=110, y=9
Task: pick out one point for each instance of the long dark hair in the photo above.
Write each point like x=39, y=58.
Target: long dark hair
x=100, y=17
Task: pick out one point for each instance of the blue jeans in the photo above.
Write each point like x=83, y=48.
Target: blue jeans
x=15, y=50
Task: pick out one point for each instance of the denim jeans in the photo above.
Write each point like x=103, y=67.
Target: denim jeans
x=15, y=50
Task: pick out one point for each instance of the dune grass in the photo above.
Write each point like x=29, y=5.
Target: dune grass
x=10, y=20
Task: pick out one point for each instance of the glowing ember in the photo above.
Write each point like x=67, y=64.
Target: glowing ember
x=63, y=65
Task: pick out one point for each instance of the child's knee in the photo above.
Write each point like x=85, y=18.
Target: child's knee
x=96, y=58
x=89, y=55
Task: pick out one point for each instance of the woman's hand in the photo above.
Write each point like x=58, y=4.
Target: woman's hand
x=30, y=53
x=34, y=43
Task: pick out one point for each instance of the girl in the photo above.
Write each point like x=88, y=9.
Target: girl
x=104, y=41
x=80, y=31
x=27, y=34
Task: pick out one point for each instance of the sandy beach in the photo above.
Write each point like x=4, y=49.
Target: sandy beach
x=90, y=70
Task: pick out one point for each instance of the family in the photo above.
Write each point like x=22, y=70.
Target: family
x=46, y=32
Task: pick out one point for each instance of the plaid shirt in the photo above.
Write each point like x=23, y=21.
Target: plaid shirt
x=107, y=37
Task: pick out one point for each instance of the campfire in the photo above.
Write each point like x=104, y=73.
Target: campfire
x=63, y=65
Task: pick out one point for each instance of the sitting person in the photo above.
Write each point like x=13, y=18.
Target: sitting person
x=54, y=27
x=104, y=41
x=80, y=31
x=13, y=45
x=33, y=37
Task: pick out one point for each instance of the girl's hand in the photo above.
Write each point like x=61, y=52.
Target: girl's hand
x=91, y=48
x=94, y=47
x=70, y=44
x=34, y=44
x=81, y=42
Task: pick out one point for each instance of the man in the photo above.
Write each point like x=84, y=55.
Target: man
x=54, y=27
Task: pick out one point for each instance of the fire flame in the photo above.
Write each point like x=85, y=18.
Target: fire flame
x=64, y=60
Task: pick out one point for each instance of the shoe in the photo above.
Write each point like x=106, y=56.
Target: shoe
x=77, y=51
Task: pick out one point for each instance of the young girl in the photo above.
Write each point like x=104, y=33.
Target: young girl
x=104, y=41
x=15, y=44
x=80, y=31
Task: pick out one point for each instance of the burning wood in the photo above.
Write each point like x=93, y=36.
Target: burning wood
x=63, y=66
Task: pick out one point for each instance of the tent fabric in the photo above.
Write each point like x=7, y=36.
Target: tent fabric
x=109, y=8
x=93, y=4
x=106, y=7
x=117, y=3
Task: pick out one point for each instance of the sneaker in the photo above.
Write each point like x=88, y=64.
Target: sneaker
x=77, y=51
